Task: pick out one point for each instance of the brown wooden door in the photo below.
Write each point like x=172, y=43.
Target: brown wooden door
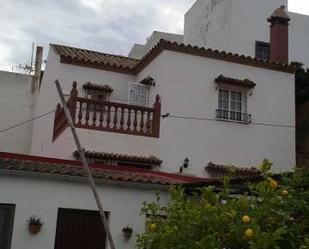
x=79, y=229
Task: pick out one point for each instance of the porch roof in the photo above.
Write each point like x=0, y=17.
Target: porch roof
x=52, y=166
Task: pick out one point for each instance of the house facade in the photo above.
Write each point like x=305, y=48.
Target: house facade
x=206, y=105
x=175, y=114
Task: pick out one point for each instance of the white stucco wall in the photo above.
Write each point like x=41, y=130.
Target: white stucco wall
x=16, y=106
x=235, y=26
x=299, y=38
x=208, y=24
x=43, y=197
x=249, y=24
x=138, y=51
x=186, y=86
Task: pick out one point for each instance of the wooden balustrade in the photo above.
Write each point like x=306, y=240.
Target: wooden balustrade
x=109, y=116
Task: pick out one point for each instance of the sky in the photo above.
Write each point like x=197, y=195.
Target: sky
x=110, y=26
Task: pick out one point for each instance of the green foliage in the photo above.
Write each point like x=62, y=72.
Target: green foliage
x=34, y=220
x=208, y=219
x=301, y=83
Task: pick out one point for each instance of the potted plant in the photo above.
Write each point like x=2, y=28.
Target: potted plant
x=127, y=232
x=34, y=224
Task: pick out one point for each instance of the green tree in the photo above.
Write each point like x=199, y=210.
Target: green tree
x=270, y=215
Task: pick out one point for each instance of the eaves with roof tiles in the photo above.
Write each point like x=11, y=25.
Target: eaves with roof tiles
x=50, y=166
x=122, y=64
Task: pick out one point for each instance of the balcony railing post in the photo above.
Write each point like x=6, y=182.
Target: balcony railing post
x=156, y=117
x=72, y=102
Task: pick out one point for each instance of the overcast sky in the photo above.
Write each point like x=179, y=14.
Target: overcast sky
x=105, y=25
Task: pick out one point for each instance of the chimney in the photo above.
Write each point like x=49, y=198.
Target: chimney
x=37, y=70
x=279, y=35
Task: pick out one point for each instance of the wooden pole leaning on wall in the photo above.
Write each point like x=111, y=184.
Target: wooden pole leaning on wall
x=86, y=166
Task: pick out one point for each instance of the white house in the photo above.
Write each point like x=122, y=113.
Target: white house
x=223, y=108
x=172, y=117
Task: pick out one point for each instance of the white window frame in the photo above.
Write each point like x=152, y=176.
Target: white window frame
x=136, y=102
x=244, y=97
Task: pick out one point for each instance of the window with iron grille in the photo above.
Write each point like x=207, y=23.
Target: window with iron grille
x=138, y=94
x=232, y=105
x=262, y=50
x=6, y=225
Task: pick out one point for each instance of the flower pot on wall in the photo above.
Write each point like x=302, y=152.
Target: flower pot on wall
x=34, y=228
x=34, y=224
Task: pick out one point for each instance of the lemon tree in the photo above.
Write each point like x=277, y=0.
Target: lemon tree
x=270, y=215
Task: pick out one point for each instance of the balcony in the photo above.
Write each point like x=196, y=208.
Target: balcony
x=94, y=114
x=233, y=116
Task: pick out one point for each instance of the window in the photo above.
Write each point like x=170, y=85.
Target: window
x=97, y=92
x=232, y=106
x=262, y=50
x=138, y=94
x=6, y=225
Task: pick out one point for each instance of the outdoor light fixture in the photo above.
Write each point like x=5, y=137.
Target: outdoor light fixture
x=186, y=163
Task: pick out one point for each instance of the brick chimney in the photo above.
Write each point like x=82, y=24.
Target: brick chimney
x=279, y=35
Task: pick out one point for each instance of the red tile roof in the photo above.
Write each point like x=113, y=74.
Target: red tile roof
x=98, y=87
x=151, y=159
x=238, y=171
x=84, y=57
x=246, y=83
x=93, y=59
x=52, y=166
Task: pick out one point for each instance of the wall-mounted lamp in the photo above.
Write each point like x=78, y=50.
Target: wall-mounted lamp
x=185, y=165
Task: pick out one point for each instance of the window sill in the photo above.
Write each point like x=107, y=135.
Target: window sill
x=233, y=121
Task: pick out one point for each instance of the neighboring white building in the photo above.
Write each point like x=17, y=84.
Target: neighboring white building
x=138, y=50
x=16, y=106
x=236, y=26
x=228, y=25
x=18, y=95
x=145, y=123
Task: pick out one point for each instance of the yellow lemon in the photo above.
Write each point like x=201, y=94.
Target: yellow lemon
x=246, y=219
x=273, y=184
x=248, y=233
x=153, y=227
x=284, y=192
